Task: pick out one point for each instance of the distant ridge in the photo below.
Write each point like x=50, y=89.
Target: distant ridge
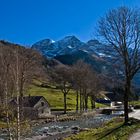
x=70, y=49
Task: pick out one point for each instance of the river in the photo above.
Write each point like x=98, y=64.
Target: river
x=57, y=130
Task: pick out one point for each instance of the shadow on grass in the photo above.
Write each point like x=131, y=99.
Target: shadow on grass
x=110, y=131
x=132, y=121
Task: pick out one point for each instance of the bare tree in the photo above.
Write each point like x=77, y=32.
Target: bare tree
x=95, y=86
x=4, y=77
x=19, y=66
x=26, y=67
x=17, y=92
x=121, y=29
x=29, y=67
x=84, y=82
x=61, y=77
x=77, y=77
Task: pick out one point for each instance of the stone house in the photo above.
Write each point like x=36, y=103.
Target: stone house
x=33, y=107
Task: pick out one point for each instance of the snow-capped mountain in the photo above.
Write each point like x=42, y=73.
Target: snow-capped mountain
x=52, y=49
x=70, y=49
x=70, y=45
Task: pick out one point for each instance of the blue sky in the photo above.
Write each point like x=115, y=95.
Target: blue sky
x=28, y=21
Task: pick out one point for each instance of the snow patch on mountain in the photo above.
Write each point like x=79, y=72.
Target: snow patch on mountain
x=52, y=41
x=69, y=46
x=85, y=51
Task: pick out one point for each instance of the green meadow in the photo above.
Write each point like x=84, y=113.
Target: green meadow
x=55, y=97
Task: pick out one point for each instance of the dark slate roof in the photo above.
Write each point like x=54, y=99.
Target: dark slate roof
x=114, y=96
x=29, y=101
x=103, y=101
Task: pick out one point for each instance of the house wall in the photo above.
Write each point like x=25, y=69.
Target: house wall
x=30, y=113
x=112, y=104
x=43, y=108
x=115, y=103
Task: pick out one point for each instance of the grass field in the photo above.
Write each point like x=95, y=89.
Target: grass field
x=114, y=130
x=55, y=97
x=135, y=103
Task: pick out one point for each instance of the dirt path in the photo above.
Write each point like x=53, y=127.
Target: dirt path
x=135, y=136
x=136, y=115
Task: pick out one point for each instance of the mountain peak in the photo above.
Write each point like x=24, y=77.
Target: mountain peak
x=93, y=42
x=44, y=42
x=71, y=37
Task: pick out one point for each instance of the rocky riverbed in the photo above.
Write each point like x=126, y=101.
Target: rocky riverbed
x=56, y=128
x=59, y=130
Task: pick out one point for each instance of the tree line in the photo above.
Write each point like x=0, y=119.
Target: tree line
x=80, y=78
x=18, y=67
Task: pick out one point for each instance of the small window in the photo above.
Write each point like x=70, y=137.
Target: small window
x=42, y=103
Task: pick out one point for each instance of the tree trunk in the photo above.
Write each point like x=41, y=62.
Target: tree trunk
x=6, y=102
x=65, y=103
x=18, y=119
x=92, y=103
x=80, y=101
x=18, y=95
x=86, y=103
x=77, y=99
x=83, y=103
x=126, y=95
x=7, y=114
x=21, y=87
